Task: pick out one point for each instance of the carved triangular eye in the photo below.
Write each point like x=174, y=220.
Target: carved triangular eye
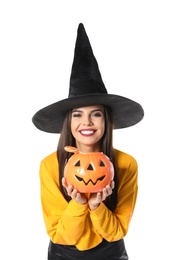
x=77, y=163
x=90, y=167
x=101, y=163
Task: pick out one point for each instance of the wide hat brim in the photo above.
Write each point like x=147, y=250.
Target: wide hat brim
x=126, y=112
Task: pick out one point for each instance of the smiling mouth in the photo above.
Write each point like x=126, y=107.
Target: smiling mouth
x=86, y=183
x=87, y=132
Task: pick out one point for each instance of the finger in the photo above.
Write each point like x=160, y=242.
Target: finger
x=108, y=189
x=99, y=196
x=112, y=185
x=64, y=182
x=74, y=193
x=104, y=194
x=69, y=189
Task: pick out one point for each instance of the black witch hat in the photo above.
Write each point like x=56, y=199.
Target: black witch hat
x=87, y=88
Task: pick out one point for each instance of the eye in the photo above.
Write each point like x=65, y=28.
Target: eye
x=101, y=164
x=77, y=163
x=76, y=115
x=97, y=114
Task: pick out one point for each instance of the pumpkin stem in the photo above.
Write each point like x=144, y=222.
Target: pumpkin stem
x=71, y=149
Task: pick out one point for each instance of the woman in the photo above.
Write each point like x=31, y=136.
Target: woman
x=82, y=225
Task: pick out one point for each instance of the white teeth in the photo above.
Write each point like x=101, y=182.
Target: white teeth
x=87, y=132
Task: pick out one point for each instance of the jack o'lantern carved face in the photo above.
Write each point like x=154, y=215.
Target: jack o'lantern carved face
x=88, y=172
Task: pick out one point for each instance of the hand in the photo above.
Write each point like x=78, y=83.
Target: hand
x=73, y=193
x=96, y=198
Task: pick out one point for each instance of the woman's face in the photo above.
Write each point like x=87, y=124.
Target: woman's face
x=87, y=127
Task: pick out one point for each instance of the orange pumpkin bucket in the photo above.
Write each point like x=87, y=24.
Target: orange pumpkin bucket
x=88, y=172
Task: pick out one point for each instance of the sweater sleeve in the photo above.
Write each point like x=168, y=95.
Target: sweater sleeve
x=62, y=219
x=114, y=225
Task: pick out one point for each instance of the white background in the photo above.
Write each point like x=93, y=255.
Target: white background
x=136, y=44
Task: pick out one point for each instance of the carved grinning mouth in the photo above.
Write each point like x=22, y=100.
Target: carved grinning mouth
x=94, y=183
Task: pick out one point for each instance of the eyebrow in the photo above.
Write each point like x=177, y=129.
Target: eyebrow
x=95, y=110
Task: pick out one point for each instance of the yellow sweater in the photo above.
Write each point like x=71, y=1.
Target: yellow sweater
x=74, y=224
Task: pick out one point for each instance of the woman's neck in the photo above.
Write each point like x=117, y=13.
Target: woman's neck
x=88, y=148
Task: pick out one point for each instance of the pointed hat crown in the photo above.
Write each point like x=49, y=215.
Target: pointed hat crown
x=85, y=75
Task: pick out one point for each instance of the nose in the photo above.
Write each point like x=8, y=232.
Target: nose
x=87, y=121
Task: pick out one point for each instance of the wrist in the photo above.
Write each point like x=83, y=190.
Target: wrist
x=93, y=207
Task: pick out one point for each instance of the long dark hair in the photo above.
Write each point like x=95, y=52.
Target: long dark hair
x=67, y=139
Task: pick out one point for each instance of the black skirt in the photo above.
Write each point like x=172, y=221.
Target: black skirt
x=104, y=251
